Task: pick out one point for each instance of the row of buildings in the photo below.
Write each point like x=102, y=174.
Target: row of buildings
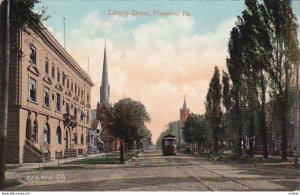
x=49, y=114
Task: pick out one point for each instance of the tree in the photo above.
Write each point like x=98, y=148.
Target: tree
x=256, y=52
x=235, y=66
x=195, y=130
x=213, y=107
x=282, y=27
x=129, y=118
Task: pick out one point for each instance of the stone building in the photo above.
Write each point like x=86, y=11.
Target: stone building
x=49, y=99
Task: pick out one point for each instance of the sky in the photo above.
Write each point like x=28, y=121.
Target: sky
x=153, y=59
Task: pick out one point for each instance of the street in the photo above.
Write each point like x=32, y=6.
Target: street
x=151, y=171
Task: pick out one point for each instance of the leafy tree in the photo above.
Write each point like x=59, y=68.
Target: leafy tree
x=213, y=107
x=235, y=66
x=256, y=52
x=195, y=130
x=129, y=118
x=282, y=27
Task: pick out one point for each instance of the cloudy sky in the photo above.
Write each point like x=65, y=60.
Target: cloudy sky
x=154, y=59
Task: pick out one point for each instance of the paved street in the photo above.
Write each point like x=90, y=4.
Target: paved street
x=153, y=172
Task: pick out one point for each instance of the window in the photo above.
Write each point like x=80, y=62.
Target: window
x=32, y=54
x=81, y=139
x=68, y=83
x=82, y=94
x=68, y=106
x=58, y=135
x=58, y=102
x=46, y=66
x=35, y=131
x=72, y=86
x=32, y=89
x=46, y=97
x=53, y=71
x=81, y=115
x=58, y=75
x=75, y=88
x=75, y=111
x=64, y=79
x=47, y=134
x=88, y=98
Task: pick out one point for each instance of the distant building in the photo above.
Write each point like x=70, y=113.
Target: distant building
x=49, y=99
x=95, y=142
x=104, y=111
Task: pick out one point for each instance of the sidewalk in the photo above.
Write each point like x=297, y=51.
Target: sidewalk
x=52, y=163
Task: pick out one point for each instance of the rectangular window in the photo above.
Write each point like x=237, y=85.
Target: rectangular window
x=75, y=111
x=53, y=71
x=46, y=66
x=32, y=89
x=81, y=115
x=64, y=78
x=82, y=94
x=88, y=98
x=72, y=86
x=58, y=102
x=68, y=106
x=75, y=88
x=58, y=75
x=32, y=54
x=46, y=97
x=68, y=83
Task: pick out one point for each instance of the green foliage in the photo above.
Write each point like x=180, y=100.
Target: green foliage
x=196, y=129
x=22, y=16
x=213, y=107
x=129, y=118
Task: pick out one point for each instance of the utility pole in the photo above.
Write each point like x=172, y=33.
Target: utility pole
x=297, y=117
x=64, y=33
x=4, y=99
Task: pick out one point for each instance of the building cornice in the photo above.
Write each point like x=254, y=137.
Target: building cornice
x=55, y=46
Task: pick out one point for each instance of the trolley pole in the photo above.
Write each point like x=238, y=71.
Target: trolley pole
x=4, y=98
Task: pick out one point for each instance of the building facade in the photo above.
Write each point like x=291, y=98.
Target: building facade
x=50, y=95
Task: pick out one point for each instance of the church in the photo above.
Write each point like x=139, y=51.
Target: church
x=103, y=113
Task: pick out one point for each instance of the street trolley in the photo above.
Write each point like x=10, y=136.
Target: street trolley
x=169, y=145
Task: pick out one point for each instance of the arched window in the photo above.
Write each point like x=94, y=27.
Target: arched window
x=58, y=135
x=47, y=134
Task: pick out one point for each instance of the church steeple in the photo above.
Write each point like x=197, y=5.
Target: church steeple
x=184, y=104
x=104, y=89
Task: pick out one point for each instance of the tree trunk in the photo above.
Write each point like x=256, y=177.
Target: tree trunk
x=284, y=138
x=251, y=134
x=263, y=125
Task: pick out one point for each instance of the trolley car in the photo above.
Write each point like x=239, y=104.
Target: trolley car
x=169, y=145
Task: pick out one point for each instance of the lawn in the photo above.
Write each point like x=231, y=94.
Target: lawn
x=243, y=159
x=11, y=183
x=107, y=159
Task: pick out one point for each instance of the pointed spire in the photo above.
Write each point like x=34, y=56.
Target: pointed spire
x=184, y=103
x=104, y=89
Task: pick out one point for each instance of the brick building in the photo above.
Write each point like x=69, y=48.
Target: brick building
x=49, y=99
